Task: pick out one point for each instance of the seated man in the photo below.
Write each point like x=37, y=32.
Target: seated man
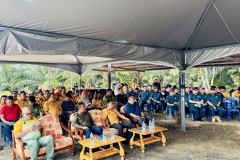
x=112, y=116
x=82, y=119
x=156, y=100
x=35, y=107
x=196, y=105
x=172, y=103
x=145, y=99
x=222, y=90
x=9, y=114
x=214, y=102
x=236, y=93
x=134, y=111
x=52, y=106
x=121, y=99
x=27, y=128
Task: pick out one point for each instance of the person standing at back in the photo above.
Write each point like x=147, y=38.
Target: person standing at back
x=52, y=106
x=157, y=84
x=22, y=102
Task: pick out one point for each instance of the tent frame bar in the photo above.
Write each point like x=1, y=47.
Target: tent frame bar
x=205, y=13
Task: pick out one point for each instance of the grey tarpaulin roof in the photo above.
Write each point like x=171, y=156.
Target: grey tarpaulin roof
x=79, y=35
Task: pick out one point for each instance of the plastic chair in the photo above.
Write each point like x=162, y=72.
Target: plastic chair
x=231, y=109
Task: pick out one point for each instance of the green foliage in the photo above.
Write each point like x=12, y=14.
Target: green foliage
x=30, y=77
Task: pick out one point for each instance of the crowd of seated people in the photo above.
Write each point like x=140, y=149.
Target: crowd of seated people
x=122, y=107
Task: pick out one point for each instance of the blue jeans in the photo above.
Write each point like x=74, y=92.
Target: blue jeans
x=201, y=112
x=173, y=109
x=194, y=111
x=157, y=106
x=219, y=109
x=140, y=120
x=1, y=130
x=148, y=106
x=94, y=129
x=7, y=133
x=120, y=127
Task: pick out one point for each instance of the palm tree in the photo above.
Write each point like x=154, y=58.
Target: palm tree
x=10, y=78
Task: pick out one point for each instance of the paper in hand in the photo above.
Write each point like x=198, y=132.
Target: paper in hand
x=36, y=124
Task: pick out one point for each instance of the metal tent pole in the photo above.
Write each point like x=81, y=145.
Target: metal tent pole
x=109, y=75
x=182, y=76
x=80, y=82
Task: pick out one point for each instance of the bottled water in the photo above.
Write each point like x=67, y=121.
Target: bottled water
x=91, y=139
x=112, y=134
x=150, y=125
x=170, y=114
x=104, y=135
x=153, y=123
x=191, y=117
x=143, y=126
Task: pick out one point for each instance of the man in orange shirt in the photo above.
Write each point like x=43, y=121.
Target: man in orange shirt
x=52, y=106
x=22, y=102
x=15, y=96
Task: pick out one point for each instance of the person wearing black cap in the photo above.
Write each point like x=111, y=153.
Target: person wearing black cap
x=196, y=105
x=214, y=102
x=157, y=84
x=35, y=107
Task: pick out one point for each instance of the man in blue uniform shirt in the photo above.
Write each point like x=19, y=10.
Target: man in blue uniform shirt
x=196, y=105
x=172, y=103
x=156, y=100
x=214, y=102
x=144, y=99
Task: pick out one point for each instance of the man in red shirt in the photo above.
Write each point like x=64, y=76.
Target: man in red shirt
x=9, y=114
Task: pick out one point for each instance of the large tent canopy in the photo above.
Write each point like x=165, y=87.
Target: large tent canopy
x=79, y=35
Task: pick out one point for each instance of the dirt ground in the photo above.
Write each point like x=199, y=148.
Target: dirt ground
x=201, y=141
